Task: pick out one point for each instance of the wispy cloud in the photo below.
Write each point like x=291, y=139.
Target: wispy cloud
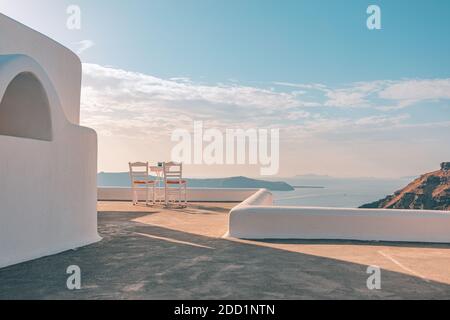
x=115, y=98
x=410, y=92
x=131, y=109
x=384, y=95
x=137, y=86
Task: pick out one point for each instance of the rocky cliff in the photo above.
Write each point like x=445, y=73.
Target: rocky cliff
x=429, y=192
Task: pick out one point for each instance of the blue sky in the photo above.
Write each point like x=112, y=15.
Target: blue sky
x=257, y=40
x=358, y=102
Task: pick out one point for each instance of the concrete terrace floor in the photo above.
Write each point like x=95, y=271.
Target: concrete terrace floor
x=156, y=253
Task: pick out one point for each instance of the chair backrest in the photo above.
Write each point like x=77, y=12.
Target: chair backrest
x=173, y=171
x=139, y=171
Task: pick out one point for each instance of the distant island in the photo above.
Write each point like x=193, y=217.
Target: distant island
x=431, y=191
x=122, y=179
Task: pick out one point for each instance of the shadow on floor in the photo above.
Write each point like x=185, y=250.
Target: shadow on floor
x=137, y=261
x=359, y=243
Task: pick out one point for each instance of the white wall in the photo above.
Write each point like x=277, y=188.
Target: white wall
x=48, y=186
x=257, y=218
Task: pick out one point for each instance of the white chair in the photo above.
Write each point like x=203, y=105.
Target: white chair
x=174, y=184
x=140, y=181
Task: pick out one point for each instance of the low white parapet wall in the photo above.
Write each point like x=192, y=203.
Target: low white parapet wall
x=257, y=218
x=193, y=194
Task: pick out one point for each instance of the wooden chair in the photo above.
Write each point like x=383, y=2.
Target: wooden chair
x=140, y=181
x=174, y=184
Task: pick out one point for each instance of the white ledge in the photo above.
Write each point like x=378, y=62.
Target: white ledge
x=193, y=194
x=257, y=218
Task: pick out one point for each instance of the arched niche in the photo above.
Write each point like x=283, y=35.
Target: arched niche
x=25, y=109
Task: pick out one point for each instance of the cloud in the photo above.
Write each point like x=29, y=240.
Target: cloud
x=381, y=121
x=418, y=90
x=120, y=102
x=409, y=92
x=339, y=128
x=346, y=98
x=383, y=95
x=387, y=95
x=298, y=114
x=133, y=105
x=312, y=86
x=135, y=85
x=354, y=96
x=117, y=102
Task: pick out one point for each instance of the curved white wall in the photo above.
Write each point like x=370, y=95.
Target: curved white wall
x=257, y=218
x=62, y=66
x=47, y=172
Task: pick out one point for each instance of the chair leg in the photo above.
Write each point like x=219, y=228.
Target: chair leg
x=154, y=195
x=133, y=196
x=165, y=194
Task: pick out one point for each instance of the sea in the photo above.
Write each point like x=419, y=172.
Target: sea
x=311, y=190
x=337, y=192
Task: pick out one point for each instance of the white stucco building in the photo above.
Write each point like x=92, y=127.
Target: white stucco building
x=48, y=162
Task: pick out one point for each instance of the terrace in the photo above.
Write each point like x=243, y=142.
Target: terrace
x=154, y=252
x=158, y=253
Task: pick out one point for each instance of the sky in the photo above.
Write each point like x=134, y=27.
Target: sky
x=348, y=101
